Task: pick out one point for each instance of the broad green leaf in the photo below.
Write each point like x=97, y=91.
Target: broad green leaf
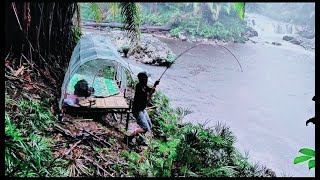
x=312, y=164
x=301, y=159
x=308, y=152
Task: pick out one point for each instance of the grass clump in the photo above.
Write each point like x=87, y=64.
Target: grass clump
x=186, y=150
x=27, y=143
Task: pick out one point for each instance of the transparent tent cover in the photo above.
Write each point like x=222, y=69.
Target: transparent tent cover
x=93, y=58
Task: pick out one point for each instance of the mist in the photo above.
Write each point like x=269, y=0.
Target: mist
x=294, y=13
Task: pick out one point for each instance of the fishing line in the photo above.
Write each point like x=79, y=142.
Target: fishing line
x=232, y=55
x=177, y=58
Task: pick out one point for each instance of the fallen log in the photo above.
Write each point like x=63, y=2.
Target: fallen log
x=121, y=25
x=112, y=25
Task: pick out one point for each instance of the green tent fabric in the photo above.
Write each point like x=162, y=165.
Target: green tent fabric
x=103, y=87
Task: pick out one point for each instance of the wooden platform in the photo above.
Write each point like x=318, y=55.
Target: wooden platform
x=99, y=106
x=113, y=102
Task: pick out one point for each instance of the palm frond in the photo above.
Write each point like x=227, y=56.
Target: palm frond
x=240, y=9
x=130, y=13
x=227, y=7
x=97, y=12
x=114, y=8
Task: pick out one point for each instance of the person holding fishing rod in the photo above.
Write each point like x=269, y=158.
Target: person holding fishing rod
x=142, y=96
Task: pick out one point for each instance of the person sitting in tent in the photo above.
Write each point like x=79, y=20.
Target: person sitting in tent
x=141, y=97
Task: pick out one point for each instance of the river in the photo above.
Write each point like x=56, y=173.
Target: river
x=266, y=105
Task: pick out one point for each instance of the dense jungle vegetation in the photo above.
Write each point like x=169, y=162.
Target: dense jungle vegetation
x=35, y=64
x=207, y=20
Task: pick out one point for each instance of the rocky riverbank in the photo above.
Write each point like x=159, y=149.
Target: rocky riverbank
x=154, y=52
x=308, y=44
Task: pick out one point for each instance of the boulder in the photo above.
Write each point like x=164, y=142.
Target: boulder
x=182, y=37
x=307, y=34
x=250, y=32
x=288, y=38
x=295, y=41
x=276, y=43
x=150, y=51
x=146, y=60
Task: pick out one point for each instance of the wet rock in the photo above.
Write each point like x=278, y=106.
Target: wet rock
x=182, y=37
x=192, y=39
x=291, y=39
x=295, y=41
x=276, y=43
x=308, y=34
x=253, y=41
x=287, y=38
x=250, y=32
x=308, y=44
x=150, y=51
x=146, y=60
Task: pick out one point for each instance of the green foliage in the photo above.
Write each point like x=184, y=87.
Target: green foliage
x=114, y=8
x=96, y=11
x=189, y=150
x=109, y=73
x=171, y=56
x=308, y=154
x=133, y=15
x=224, y=29
x=130, y=13
x=176, y=31
x=158, y=19
x=132, y=159
x=27, y=150
x=37, y=116
x=91, y=11
x=240, y=9
x=205, y=150
x=76, y=31
x=131, y=81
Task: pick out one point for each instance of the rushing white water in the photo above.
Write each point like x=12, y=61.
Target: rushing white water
x=266, y=26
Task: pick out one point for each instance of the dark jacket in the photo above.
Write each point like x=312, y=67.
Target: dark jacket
x=140, y=97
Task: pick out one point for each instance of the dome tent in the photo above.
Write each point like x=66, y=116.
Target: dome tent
x=92, y=54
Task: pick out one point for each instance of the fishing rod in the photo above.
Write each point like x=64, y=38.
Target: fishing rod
x=177, y=58
x=232, y=55
x=194, y=47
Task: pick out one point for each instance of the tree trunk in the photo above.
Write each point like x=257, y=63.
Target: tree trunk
x=154, y=7
x=42, y=32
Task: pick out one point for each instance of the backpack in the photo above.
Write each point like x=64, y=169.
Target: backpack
x=82, y=89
